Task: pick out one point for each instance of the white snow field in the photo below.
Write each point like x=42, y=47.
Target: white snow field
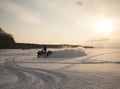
x=70, y=68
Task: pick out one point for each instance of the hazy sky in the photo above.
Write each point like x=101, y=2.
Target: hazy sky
x=61, y=21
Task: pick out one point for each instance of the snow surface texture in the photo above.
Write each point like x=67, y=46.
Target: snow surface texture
x=83, y=69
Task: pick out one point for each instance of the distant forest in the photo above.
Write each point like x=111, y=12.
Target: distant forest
x=7, y=42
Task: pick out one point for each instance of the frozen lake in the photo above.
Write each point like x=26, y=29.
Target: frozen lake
x=68, y=68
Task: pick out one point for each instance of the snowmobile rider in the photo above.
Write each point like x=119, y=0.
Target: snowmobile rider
x=44, y=49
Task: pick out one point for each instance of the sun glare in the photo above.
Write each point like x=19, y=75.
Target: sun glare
x=105, y=26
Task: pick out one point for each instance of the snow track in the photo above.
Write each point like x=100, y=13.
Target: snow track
x=30, y=78
x=94, y=71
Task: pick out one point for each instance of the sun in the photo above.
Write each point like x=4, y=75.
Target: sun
x=105, y=26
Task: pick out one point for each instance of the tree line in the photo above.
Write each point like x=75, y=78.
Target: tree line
x=6, y=40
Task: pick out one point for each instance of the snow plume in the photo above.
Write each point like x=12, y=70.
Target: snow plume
x=68, y=53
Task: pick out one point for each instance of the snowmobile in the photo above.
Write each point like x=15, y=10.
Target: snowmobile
x=43, y=54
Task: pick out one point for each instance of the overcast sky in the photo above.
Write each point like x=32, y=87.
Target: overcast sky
x=60, y=21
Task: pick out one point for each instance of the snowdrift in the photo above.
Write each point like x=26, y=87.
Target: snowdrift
x=68, y=53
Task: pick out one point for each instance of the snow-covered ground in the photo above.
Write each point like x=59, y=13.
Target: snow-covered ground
x=68, y=68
